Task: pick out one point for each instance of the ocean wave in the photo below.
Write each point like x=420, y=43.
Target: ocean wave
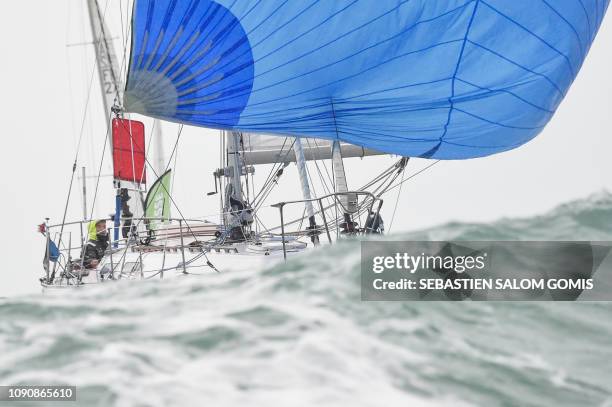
x=297, y=334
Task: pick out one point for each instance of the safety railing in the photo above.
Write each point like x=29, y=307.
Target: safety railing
x=370, y=201
x=63, y=261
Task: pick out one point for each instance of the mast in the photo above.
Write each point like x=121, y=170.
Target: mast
x=233, y=140
x=238, y=212
x=348, y=201
x=301, y=165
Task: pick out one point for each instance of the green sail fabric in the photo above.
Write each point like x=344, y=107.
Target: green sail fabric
x=157, y=204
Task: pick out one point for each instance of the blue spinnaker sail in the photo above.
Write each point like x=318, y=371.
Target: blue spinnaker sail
x=448, y=79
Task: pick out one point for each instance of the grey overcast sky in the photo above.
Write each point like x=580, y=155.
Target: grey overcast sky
x=44, y=85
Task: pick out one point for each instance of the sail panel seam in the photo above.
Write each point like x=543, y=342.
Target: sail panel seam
x=461, y=51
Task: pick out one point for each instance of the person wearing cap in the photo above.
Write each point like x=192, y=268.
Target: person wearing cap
x=97, y=243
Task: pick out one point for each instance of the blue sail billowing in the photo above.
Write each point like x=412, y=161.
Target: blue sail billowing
x=448, y=79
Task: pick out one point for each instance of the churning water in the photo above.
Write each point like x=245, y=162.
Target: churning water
x=297, y=334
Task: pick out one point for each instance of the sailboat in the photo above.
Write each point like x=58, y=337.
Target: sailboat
x=302, y=82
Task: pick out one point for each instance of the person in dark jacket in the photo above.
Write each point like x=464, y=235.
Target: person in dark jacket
x=128, y=230
x=374, y=224
x=97, y=244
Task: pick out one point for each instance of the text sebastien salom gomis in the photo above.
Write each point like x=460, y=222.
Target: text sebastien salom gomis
x=461, y=266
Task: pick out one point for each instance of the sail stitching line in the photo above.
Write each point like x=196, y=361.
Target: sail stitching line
x=319, y=47
x=588, y=20
x=219, y=39
x=433, y=150
x=338, y=80
x=505, y=90
x=429, y=20
x=571, y=67
x=547, y=78
x=580, y=44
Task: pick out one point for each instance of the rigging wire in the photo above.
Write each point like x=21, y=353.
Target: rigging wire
x=93, y=204
x=148, y=147
x=329, y=178
x=412, y=176
x=174, y=149
x=272, y=172
x=148, y=163
x=389, y=172
x=175, y=159
x=87, y=100
x=84, y=73
x=123, y=33
x=316, y=160
x=399, y=192
x=399, y=184
x=69, y=76
x=330, y=200
x=272, y=177
x=74, y=165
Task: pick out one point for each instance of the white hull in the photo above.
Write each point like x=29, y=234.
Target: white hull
x=168, y=263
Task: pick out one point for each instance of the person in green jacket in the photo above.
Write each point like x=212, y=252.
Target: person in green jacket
x=97, y=243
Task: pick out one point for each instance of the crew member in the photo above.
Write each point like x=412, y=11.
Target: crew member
x=96, y=245
x=374, y=224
